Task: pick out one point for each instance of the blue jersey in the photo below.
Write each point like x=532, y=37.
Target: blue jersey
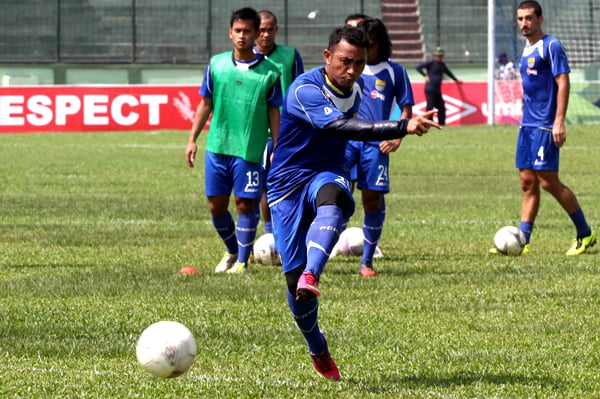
x=385, y=84
x=540, y=64
x=304, y=149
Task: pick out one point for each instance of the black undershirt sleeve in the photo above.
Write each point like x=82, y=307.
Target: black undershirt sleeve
x=361, y=130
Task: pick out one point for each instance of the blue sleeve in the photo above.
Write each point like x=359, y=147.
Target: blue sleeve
x=275, y=97
x=403, y=90
x=298, y=66
x=206, y=89
x=558, y=58
x=309, y=104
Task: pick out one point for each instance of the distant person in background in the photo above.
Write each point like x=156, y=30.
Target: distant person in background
x=385, y=84
x=289, y=61
x=507, y=70
x=434, y=71
x=241, y=90
x=546, y=85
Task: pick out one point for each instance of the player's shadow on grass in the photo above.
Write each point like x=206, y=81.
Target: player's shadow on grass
x=461, y=379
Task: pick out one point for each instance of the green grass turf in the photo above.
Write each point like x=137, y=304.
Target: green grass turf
x=95, y=226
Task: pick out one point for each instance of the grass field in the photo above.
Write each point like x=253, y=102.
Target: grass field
x=95, y=226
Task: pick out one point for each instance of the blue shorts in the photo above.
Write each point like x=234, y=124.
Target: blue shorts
x=266, y=161
x=368, y=166
x=224, y=173
x=294, y=213
x=536, y=149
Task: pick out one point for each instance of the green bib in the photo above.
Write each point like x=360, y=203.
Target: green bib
x=240, y=121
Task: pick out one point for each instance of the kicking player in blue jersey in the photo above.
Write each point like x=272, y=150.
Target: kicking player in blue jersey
x=386, y=83
x=242, y=91
x=545, y=75
x=308, y=186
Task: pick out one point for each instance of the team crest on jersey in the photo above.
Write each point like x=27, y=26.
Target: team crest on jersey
x=530, y=65
x=380, y=85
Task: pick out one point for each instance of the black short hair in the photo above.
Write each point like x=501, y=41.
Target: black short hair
x=246, y=13
x=351, y=34
x=267, y=13
x=357, y=15
x=531, y=4
x=374, y=27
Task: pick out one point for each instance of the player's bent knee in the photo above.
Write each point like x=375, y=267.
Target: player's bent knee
x=332, y=194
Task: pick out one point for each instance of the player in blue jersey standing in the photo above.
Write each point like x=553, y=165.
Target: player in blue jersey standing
x=308, y=186
x=241, y=90
x=545, y=75
x=386, y=83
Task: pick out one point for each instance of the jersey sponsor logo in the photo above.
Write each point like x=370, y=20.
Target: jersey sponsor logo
x=530, y=65
x=377, y=95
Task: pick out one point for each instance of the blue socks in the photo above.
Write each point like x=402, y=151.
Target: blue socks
x=238, y=239
x=372, y=228
x=306, y=315
x=225, y=226
x=527, y=229
x=322, y=236
x=268, y=227
x=246, y=233
x=578, y=218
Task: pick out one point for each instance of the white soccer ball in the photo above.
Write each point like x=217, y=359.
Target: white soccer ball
x=166, y=349
x=350, y=243
x=265, y=252
x=509, y=240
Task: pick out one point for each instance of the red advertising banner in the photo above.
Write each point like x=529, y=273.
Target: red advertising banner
x=466, y=104
x=25, y=109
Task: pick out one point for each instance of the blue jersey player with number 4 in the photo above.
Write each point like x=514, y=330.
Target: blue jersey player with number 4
x=545, y=75
x=308, y=186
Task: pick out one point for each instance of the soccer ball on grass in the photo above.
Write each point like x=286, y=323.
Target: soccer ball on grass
x=166, y=349
x=265, y=252
x=509, y=240
x=351, y=243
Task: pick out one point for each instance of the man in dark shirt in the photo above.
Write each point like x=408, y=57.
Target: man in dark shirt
x=434, y=71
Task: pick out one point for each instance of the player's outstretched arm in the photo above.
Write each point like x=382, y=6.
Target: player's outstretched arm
x=362, y=130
